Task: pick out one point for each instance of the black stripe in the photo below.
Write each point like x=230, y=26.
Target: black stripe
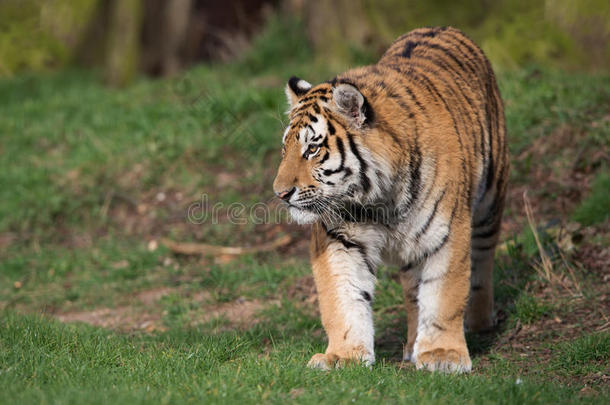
x=341, y=148
x=316, y=91
x=380, y=83
x=430, y=33
x=348, y=244
x=414, y=172
x=431, y=186
x=458, y=313
x=491, y=216
x=484, y=247
x=341, y=238
x=488, y=233
x=305, y=100
x=387, y=129
x=417, y=103
x=366, y=296
x=402, y=76
x=309, y=98
x=437, y=326
x=407, y=267
x=476, y=51
x=438, y=247
x=409, y=46
x=423, y=230
x=398, y=98
x=451, y=55
x=364, y=179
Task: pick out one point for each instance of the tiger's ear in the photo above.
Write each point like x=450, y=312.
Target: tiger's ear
x=296, y=88
x=350, y=103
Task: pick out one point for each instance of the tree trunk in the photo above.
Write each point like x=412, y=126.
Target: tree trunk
x=123, y=46
x=333, y=26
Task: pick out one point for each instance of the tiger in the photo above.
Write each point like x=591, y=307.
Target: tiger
x=402, y=163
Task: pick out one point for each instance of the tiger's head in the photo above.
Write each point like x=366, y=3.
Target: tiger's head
x=324, y=164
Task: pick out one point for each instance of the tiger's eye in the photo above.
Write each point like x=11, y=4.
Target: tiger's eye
x=313, y=148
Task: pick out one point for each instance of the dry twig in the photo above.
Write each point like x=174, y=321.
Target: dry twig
x=215, y=250
x=545, y=267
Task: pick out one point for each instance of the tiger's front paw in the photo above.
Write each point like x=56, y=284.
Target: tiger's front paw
x=322, y=361
x=328, y=361
x=454, y=360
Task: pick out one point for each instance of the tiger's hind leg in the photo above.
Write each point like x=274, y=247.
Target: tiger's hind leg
x=479, y=313
x=409, y=279
x=485, y=234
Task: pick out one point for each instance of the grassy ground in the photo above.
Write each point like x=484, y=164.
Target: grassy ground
x=95, y=309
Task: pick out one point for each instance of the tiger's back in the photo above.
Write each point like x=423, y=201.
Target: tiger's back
x=467, y=86
x=433, y=72
x=421, y=133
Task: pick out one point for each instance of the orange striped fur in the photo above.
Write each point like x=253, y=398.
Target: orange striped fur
x=403, y=162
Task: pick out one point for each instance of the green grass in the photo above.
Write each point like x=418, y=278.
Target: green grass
x=529, y=309
x=82, y=167
x=47, y=362
x=585, y=355
x=594, y=209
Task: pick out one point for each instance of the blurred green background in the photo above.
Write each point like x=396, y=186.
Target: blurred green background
x=160, y=37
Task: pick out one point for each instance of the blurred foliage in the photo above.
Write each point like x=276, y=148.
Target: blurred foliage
x=574, y=34
x=560, y=33
x=279, y=43
x=41, y=34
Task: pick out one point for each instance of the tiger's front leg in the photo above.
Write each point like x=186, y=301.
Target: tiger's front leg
x=443, y=292
x=345, y=282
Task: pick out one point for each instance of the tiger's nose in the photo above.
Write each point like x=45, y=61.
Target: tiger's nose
x=286, y=194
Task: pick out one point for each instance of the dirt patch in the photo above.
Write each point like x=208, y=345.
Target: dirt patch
x=146, y=312
x=6, y=239
x=303, y=290
x=239, y=313
x=121, y=318
x=150, y=297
